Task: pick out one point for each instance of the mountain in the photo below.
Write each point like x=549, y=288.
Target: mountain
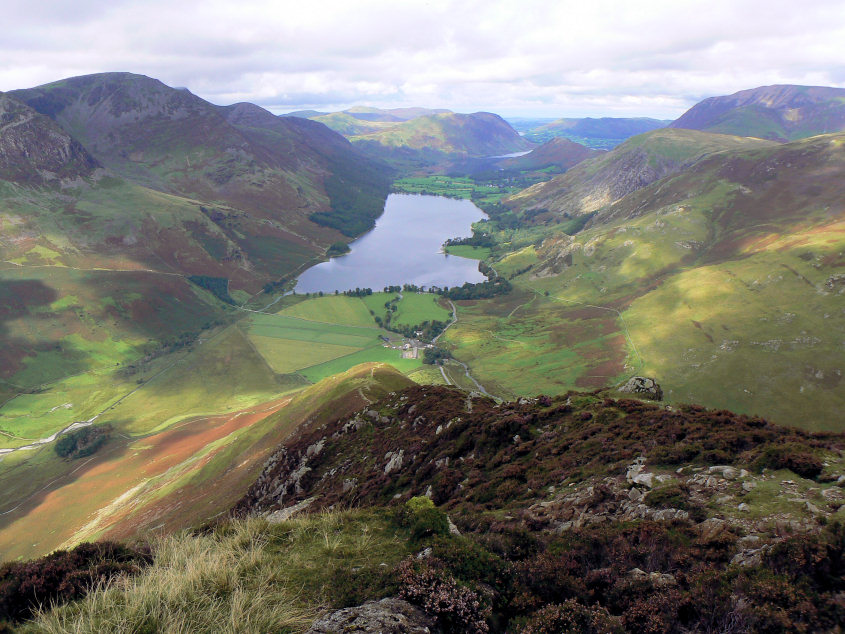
x=601, y=133
x=169, y=139
x=560, y=153
x=634, y=164
x=780, y=112
x=435, y=137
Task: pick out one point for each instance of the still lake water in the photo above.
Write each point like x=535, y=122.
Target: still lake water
x=403, y=248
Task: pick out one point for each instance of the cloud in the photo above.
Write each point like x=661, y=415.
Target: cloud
x=557, y=58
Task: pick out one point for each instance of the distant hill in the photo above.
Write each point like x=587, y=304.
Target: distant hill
x=780, y=112
x=559, y=152
x=633, y=165
x=304, y=114
x=365, y=119
x=602, y=133
x=440, y=135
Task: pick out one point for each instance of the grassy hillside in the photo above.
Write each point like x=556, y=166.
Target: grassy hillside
x=722, y=281
x=636, y=163
x=434, y=137
x=159, y=475
x=780, y=113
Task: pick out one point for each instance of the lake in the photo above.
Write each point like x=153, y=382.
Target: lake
x=405, y=247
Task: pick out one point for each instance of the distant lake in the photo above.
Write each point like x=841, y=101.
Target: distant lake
x=403, y=248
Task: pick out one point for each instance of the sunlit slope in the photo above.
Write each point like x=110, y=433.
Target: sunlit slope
x=725, y=282
x=478, y=134
x=181, y=476
x=605, y=179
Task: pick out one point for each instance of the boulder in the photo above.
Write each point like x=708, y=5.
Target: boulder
x=643, y=386
x=390, y=616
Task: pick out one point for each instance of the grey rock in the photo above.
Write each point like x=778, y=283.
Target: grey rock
x=659, y=580
x=643, y=386
x=388, y=616
x=644, y=479
x=282, y=515
x=394, y=460
x=727, y=472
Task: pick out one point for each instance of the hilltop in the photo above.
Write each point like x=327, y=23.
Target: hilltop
x=780, y=112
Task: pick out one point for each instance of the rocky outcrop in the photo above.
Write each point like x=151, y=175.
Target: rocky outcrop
x=388, y=616
x=643, y=386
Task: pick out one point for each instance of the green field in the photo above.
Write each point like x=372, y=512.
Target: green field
x=480, y=192
x=297, y=341
x=415, y=308
x=333, y=309
x=466, y=251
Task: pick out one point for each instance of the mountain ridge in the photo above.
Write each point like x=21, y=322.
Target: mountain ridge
x=781, y=112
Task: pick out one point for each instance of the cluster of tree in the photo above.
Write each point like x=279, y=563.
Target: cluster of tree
x=337, y=248
x=82, y=442
x=358, y=292
x=428, y=329
x=218, y=286
x=478, y=239
x=481, y=290
x=435, y=356
x=357, y=191
x=519, y=272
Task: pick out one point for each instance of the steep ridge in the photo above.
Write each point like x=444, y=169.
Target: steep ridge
x=177, y=478
x=780, y=112
x=633, y=165
x=34, y=150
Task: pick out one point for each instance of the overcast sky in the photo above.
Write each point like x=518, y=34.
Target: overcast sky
x=531, y=57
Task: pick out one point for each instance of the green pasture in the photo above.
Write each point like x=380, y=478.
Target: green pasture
x=333, y=309
x=415, y=308
x=467, y=251
x=318, y=349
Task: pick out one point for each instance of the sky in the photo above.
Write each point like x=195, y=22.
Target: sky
x=542, y=58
